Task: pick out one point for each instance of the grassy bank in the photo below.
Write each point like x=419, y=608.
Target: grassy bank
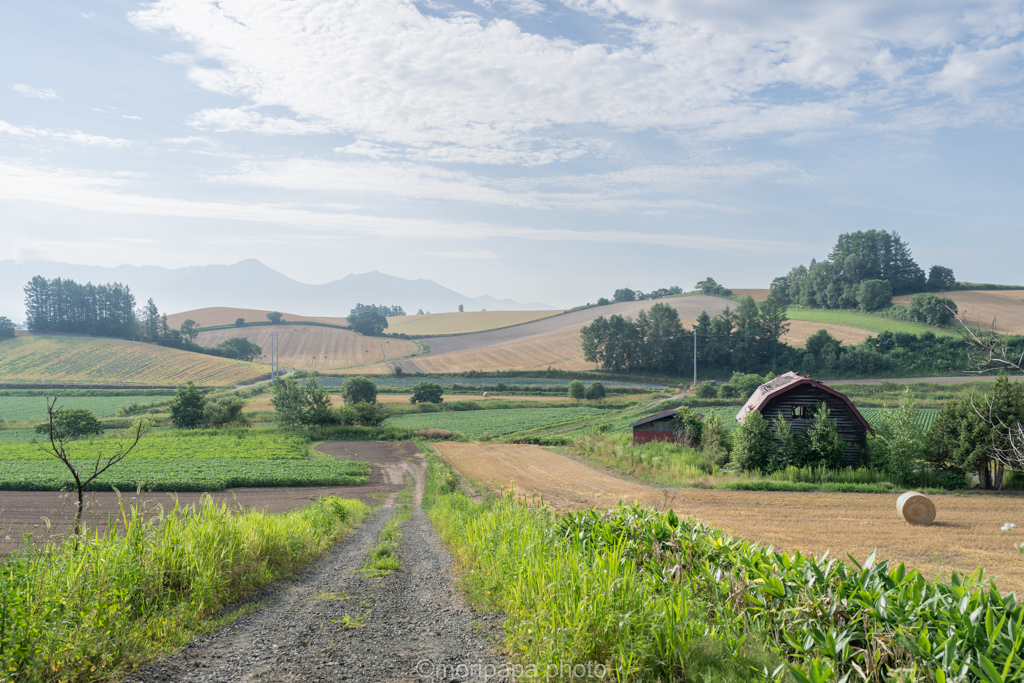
x=85, y=611
x=655, y=598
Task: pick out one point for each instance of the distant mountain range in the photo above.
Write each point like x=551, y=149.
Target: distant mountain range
x=248, y=284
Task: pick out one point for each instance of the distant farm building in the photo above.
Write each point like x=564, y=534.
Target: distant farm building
x=657, y=427
x=796, y=398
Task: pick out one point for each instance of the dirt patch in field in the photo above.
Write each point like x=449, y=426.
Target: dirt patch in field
x=755, y=294
x=1001, y=310
x=966, y=534
x=24, y=511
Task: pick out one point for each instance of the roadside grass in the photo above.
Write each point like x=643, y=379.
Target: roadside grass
x=653, y=597
x=93, y=609
x=864, y=321
x=384, y=558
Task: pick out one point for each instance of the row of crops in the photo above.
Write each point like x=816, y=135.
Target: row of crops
x=478, y=423
x=33, y=408
x=241, y=445
x=184, y=474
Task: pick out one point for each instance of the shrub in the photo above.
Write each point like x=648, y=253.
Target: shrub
x=595, y=392
x=705, y=390
x=576, y=390
x=729, y=391
x=358, y=390
x=754, y=444
x=187, y=407
x=427, y=392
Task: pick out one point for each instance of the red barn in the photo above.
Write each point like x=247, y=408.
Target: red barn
x=658, y=427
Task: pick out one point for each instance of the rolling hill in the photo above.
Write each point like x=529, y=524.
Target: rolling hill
x=76, y=359
x=324, y=349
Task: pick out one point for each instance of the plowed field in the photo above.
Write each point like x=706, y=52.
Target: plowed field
x=756, y=294
x=94, y=360
x=227, y=316
x=462, y=323
x=1001, y=310
x=966, y=533
x=325, y=349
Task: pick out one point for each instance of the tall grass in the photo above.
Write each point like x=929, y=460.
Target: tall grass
x=86, y=609
x=657, y=598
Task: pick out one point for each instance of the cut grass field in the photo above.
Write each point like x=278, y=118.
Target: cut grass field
x=227, y=316
x=861, y=321
x=94, y=360
x=1001, y=310
x=323, y=349
x=437, y=324
x=967, y=532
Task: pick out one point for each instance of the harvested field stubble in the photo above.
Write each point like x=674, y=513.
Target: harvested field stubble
x=1001, y=310
x=227, y=316
x=462, y=323
x=966, y=533
x=325, y=349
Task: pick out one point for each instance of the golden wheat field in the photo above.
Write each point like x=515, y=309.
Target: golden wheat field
x=966, y=533
x=1001, y=310
x=227, y=316
x=324, y=349
x=800, y=330
x=437, y=324
x=95, y=360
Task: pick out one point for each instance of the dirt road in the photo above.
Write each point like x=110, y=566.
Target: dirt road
x=336, y=624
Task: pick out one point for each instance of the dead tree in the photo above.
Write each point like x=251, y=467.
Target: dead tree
x=58, y=447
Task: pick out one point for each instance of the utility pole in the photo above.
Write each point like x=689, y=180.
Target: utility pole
x=275, y=356
x=695, y=356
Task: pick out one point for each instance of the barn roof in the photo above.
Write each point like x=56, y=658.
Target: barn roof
x=787, y=382
x=656, y=416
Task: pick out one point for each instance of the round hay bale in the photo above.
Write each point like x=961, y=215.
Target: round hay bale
x=915, y=508
x=487, y=394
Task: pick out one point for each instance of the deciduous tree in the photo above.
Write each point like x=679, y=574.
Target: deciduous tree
x=187, y=407
x=427, y=392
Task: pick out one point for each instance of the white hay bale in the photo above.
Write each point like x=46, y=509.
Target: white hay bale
x=915, y=508
x=487, y=394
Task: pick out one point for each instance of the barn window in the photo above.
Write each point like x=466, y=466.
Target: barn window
x=801, y=413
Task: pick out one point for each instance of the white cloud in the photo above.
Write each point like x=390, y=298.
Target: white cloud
x=643, y=188
x=109, y=194
x=75, y=136
x=35, y=93
x=453, y=88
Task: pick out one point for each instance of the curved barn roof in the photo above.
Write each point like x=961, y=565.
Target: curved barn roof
x=787, y=382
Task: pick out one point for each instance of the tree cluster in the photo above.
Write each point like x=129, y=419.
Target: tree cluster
x=309, y=405
x=745, y=339
x=190, y=409
x=711, y=288
x=768, y=445
x=578, y=391
x=6, y=328
x=60, y=305
x=386, y=311
x=864, y=270
x=367, y=322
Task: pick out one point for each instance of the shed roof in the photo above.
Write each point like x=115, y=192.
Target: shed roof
x=656, y=416
x=787, y=382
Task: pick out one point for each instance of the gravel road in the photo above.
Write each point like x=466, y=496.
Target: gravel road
x=414, y=624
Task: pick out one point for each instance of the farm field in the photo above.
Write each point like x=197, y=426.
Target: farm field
x=95, y=360
x=1002, y=310
x=967, y=532
x=175, y=462
x=461, y=323
x=227, y=316
x=324, y=349
x=555, y=342
x=33, y=408
x=861, y=321
x=755, y=294
x=497, y=423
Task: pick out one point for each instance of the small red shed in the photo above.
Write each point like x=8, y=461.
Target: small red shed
x=657, y=427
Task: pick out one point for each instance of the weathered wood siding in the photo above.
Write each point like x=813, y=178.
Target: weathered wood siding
x=657, y=430
x=809, y=397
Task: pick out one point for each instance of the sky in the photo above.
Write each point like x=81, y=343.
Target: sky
x=539, y=151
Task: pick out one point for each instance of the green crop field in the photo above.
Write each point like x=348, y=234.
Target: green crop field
x=33, y=408
x=176, y=462
x=95, y=360
x=475, y=423
x=863, y=321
